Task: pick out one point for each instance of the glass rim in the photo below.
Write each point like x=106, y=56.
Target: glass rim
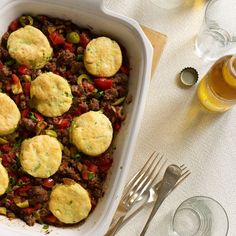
x=231, y=39
x=203, y=197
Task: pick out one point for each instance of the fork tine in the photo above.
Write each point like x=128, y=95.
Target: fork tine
x=138, y=174
x=147, y=183
x=142, y=178
x=182, y=178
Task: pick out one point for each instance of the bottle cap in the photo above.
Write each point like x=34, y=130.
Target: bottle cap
x=189, y=76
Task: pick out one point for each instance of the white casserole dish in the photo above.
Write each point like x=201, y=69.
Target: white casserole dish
x=128, y=32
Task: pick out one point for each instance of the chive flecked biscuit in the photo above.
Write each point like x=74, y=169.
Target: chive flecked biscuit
x=9, y=115
x=102, y=57
x=70, y=203
x=4, y=179
x=30, y=47
x=41, y=156
x=91, y=133
x=51, y=94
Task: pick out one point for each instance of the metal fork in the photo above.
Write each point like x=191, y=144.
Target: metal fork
x=141, y=182
x=152, y=194
x=172, y=175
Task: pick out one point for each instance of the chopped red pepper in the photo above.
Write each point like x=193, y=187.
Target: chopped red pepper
x=14, y=25
x=63, y=123
x=37, y=206
x=1, y=65
x=15, y=79
x=88, y=86
x=85, y=175
x=28, y=210
x=5, y=147
x=117, y=126
x=124, y=69
x=23, y=189
x=26, y=88
x=90, y=166
x=84, y=39
x=48, y=183
x=7, y=158
x=38, y=116
x=56, y=38
x=51, y=219
x=23, y=69
x=25, y=113
x=69, y=46
x=24, y=179
x=103, y=83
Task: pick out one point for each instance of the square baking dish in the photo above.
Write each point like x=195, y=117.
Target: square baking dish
x=93, y=14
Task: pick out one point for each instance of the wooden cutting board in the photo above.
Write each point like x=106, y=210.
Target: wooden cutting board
x=158, y=41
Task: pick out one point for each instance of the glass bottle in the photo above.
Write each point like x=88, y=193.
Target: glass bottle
x=217, y=89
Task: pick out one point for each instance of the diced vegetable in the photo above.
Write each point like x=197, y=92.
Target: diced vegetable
x=23, y=69
x=3, y=141
x=23, y=204
x=91, y=175
x=51, y=133
x=48, y=183
x=32, y=116
x=26, y=88
x=103, y=83
x=83, y=76
x=84, y=39
x=51, y=29
x=26, y=20
x=3, y=211
x=119, y=101
x=80, y=57
x=63, y=123
x=56, y=38
x=28, y=210
x=73, y=37
x=10, y=62
x=16, y=86
x=14, y=25
x=88, y=86
x=38, y=116
x=51, y=219
x=69, y=46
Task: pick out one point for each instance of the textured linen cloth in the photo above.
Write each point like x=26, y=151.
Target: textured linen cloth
x=174, y=122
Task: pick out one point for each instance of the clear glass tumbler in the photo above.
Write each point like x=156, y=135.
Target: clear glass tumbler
x=168, y=4
x=200, y=216
x=217, y=35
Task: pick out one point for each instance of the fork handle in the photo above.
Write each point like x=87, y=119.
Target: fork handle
x=116, y=222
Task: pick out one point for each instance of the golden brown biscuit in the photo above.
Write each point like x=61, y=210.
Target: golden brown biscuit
x=30, y=47
x=102, y=57
x=70, y=203
x=51, y=94
x=4, y=179
x=41, y=156
x=91, y=133
x=9, y=115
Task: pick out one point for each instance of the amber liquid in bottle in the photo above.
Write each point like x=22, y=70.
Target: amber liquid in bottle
x=217, y=90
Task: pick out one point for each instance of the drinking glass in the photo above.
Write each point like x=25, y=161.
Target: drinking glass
x=200, y=216
x=168, y=4
x=217, y=35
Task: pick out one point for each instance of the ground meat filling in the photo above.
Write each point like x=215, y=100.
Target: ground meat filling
x=27, y=197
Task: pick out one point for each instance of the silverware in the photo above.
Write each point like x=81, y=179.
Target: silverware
x=136, y=187
x=171, y=176
x=152, y=195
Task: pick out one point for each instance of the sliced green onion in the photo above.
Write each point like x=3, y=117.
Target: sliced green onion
x=3, y=141
x=26, y=20
x=3, y=211
x=51, y=133
x=80, y=57
x=23, y=204
x=77, y=155
x=32, y=116
x=91, y=175
x=73, y=37
x=10, y=62
x=119, y=101
x=83, y=76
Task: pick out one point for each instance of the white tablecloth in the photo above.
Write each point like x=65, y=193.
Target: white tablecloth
x=174, y=122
